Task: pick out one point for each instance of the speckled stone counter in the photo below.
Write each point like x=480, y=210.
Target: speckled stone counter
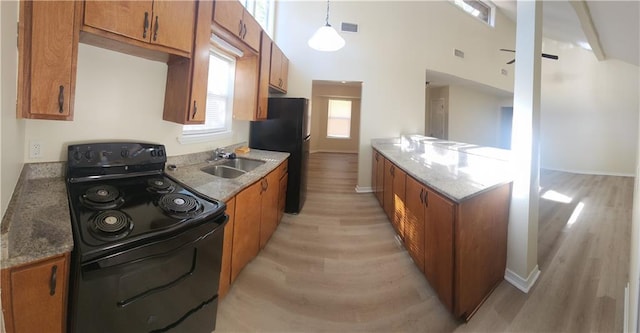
x=37, y=224
x=188, y=172
x=456, y=170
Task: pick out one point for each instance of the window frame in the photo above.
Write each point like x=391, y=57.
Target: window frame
x=349, y=137
x=491, y=17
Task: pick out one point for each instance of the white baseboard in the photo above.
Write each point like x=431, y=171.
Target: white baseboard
x=364, y=189
x=590, y=172
x=625, y=322
x=523, y=284
x=333, y=151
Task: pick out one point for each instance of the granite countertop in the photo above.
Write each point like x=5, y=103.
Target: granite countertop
x=457, y=170
x=37, y=224
x=188, y=172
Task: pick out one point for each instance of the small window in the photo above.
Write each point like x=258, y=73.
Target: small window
x=484, y=11
x=262, y=11
x=339, y=119
x=219, y=105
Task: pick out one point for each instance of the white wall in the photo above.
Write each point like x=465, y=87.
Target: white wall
x=118, y=97
x=589, y=112
x=397, y=41
x=474, y=116
x=12, y=130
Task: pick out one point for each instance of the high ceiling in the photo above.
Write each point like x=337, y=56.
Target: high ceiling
x=616, y=25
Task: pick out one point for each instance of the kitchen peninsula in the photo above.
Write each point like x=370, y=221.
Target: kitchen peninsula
x=449, y=204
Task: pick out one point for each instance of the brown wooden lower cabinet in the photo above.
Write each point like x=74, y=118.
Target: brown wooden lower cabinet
x=377, y=176
x=460, y=246
x=393, y=193
x=227, y=248
x=246, y=232
x=34, y=296
x=282, y=196
x=254, y=214
x=270, y=196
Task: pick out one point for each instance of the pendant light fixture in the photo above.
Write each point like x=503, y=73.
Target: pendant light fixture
x=326, y=37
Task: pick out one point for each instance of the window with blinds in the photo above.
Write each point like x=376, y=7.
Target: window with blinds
x=219, y=98
x=339, y=119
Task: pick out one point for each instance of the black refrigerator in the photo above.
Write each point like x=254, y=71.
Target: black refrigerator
x=286, y=129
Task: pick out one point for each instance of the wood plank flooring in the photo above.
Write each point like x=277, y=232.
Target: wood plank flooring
x=336, y=267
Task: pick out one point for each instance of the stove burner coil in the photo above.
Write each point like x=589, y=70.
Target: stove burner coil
x=102, y=197
x=178, y=203
x=159, y=185
x=111, y=224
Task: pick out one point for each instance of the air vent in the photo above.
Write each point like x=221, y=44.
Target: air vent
x=458, y=53
x=349, y=27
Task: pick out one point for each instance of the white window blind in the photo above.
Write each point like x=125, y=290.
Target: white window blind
x=219, y=97
x=339, y=119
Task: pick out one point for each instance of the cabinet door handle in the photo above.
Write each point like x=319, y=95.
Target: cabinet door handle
x=426, y=199
x=244, y=34
x=145, y=26
x=391, y=171
x=155, y=30
x=240, y=29
x=61, y=100
x=195, y=109
x=421, y=194
x=52, y=280
x=377, y=156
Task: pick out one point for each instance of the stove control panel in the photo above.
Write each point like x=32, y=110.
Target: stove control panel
x=110, y=154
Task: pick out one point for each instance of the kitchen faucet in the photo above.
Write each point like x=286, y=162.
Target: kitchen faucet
x=219, y=154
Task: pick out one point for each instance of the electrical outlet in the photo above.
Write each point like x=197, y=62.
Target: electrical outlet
x=35, y=149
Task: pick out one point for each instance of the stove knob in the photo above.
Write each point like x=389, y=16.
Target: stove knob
x=153, y=153
x=88, y=155
x=160, y=152
x=77, y=155
x=124, y=153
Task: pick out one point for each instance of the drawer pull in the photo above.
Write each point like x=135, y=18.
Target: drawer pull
x=155, y=30
x=195, y=110
x=52, y=280
x=145, y=25
x=61, y=100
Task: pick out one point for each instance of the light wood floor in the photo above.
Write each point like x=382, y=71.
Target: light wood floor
x=336, y=266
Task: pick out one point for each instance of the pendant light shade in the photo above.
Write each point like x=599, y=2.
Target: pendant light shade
x=326, y=37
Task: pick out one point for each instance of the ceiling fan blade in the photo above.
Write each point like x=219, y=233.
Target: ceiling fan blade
x=550, y=56
x=511, y=62
x=507, y=50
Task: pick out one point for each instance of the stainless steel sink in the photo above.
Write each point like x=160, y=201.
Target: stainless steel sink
x=244, y=164
x=223, y=171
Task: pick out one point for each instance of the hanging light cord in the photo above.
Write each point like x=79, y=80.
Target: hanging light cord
x=327, y=19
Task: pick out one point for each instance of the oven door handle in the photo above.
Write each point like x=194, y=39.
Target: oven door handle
x=147, y=251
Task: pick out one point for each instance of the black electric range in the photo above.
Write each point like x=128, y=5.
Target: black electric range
x=142, y=242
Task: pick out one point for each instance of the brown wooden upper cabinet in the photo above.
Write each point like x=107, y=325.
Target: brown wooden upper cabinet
x=48, y=51
x=263, y=78
x=232, y=16
x=168, y=24
x=279, y=70
x=187, y=78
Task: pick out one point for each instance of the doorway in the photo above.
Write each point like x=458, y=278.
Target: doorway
x=506, y=122
x=437, y=119
x=335, y=116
